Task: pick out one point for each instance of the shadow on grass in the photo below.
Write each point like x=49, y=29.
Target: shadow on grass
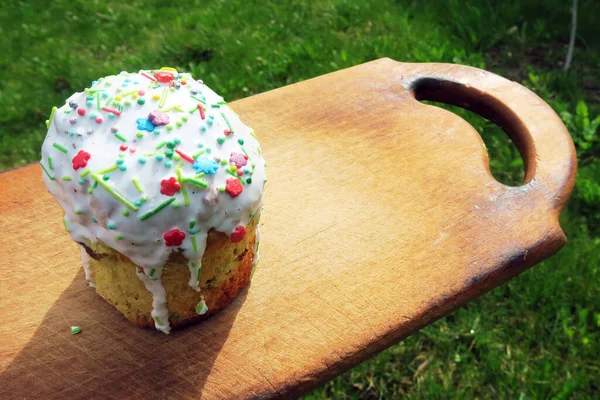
x=112, y=358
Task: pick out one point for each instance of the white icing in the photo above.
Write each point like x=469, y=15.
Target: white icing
x=89, y=275
x=160, y=312
x=201, y=308
x=102, y=216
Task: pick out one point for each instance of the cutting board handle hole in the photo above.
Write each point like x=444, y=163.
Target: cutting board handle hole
x=496, y=123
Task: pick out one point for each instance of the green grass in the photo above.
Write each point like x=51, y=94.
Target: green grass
x=535, y=337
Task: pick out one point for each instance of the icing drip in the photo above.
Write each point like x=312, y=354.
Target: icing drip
x=160, y=312
x=148, y=163
x=89, y=275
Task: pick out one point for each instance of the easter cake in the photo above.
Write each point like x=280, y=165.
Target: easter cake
x=161, y=184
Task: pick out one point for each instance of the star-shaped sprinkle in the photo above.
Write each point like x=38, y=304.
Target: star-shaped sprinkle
x=206, y=165
x=81, y=159
x=238, y=159
x=233, y=187
x=144, y=124
x=169, y=186
x=174, y=237
x=158, y=117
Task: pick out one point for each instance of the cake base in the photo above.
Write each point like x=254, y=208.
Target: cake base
x=226, y=270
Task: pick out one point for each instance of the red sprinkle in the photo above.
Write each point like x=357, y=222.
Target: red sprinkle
x=238, y=234
x=81, y=111
x=123, y=147
x=81, y=159
x=98, y=120
x=185, y=156
x=174, y=237
x=234, y=187
x=169, y=186
x=201, y=112
x=240, y=172
x=164, y=76
x=227, y=132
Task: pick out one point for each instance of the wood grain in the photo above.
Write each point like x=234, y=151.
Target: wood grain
x=381, y=216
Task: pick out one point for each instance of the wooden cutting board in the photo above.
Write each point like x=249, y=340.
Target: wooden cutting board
x=381, y=216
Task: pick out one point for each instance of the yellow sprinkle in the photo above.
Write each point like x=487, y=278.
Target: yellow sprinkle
x=118, y=98
x=155, y=97
x=134, y=96
x=168, y=69
x=233, y=168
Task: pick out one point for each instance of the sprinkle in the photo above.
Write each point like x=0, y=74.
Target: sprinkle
x=159, y=157
x=161, y=144
x=107, y=170
x=66, y=225
x=66, y=178
x=108, y=101
x=221, y=140
x=137, y=185
x=186, y=199
x=51, y=116
x=111, y=110
x=111, y=225
x=185, y=156
x=75, y=330
x=157, y=321
x=230, y=172
x=215, y=106
x=198, y=154
x=50, y=162
x=228, y=123
x=200, y=175
x=94, y=220
x=139, y=135
x=125, y=212
x=192, y=224
x=141, y=101
x=118, y=236
x=241, y=142
x=197, y=99
x=168, y=164
x=85, y=173
x=98, y=101
x=163, y=98
x=128, y=93
x=194, y=244
x=58, y=146
x=113, y=192
x=196, y=182
x=157, y=209
x=201, y=110
x=148, y=76
x=253, y=135
x=142, y=160
x=122, y=167
x=47, y=173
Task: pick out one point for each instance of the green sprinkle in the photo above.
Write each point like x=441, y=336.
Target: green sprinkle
x=47, y=173
x=228, y=123
x=51, y=117
x=200, y=175
x=109, y=100
x=50, y=163
x=75, y=330
x=58, y=146
x=85, y=173
x=161, y=144
x=98, y=101
x=169, y=127
x=241, y=142
x=93, y=92
x=186, y=199
x=163, y=98
x=120, y=137
x=141, y=101
x=139, y=135
x=157, y=320
x=107, y=170
x=67, y=178
x=198, y=154
x=221, y=102
x=125, y=212
x=223, y=162
x=119, y=237
x=137, y=185
x=66, y=225
x=244, y=149
x=222, y=189
x=179, y=124
x=152, y=271
x=221, y=140
x=196, y=182
x=194, y=109
x=199, y=272
x=215, y=106
x=157, y=209
x=194, y=244
x=114, y=193
x=253, y=135
x=199, y=100
x=192, y=224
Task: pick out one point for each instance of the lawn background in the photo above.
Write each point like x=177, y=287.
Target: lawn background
x=535, y=337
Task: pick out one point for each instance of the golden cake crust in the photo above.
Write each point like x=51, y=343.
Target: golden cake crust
x=226, y=270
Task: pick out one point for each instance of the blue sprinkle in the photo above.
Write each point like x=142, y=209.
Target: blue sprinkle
x=111, y=225
x=246, y=170
x=209, y=122
x=89, y=102
x=127, y=80
x=111, y=116
x=92, y=115
x=104, y=95
x=120, y=161
x=168, y=164
x=208, y=150
x=94, y=82
x=81, y=181
x=72, y=133
x=159, y=157
x=206, y=165
x=144, y=124
x=177, y=140
x=203, y=128
x=138, y=203
x=142, y=160
x=211, y=116
x=94, y=220
x=123, y=167
x=193, y=231
x=201, y=145
x=157, y=132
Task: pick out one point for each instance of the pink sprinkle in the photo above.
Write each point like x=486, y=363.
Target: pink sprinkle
x=240, y=172
x=132, y=149
x=98, y=120
x=141, y=92
x=148, y=76
x=111, y=110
